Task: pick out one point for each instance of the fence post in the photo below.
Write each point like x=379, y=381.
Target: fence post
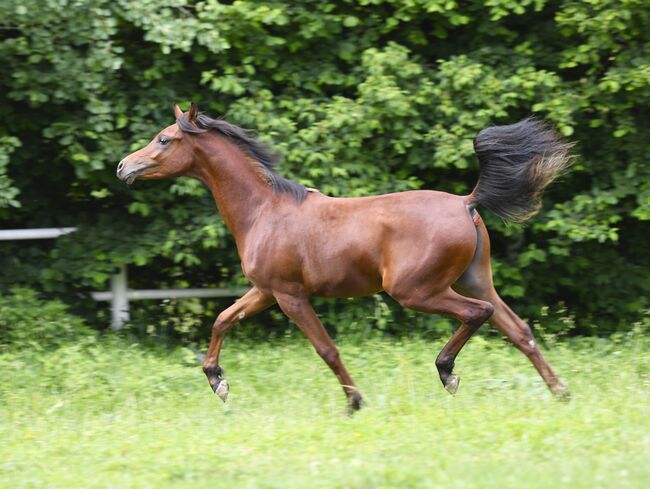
x=120, y=299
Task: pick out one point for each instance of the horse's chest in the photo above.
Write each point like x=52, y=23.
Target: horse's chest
x=264, y=264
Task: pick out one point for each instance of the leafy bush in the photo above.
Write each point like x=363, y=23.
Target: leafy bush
x=29, y=322
x=360, y=97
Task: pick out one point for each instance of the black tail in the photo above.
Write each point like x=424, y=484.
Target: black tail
x=517, y=162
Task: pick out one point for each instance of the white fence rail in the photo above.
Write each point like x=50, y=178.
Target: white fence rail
x=120, y=295
x=41, y=233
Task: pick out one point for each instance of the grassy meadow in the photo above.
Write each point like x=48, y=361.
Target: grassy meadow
x=105, y=412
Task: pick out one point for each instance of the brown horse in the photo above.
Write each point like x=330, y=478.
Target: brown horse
x=428, y=250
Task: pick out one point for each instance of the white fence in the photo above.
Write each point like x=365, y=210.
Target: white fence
x=120, y=295
x=42, y=233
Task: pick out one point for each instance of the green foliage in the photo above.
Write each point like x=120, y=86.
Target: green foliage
x=8, y=192
x=378, y=315
x=361, y=97
x=29, y=322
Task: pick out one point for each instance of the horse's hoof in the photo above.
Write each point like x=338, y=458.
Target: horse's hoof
x=222, y=389
x=452, y=384
x=355, y=402
x=562, y=394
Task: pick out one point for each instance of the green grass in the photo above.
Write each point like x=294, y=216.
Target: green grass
x=104, y=413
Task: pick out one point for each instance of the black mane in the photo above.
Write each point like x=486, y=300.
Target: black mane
x=265, y=157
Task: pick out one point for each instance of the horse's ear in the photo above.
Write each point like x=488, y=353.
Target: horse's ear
x=194, y=111
x=177, y=111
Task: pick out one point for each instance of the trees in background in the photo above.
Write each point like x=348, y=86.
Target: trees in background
x=361, y=97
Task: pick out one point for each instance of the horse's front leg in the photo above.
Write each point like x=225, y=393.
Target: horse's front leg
x=300, y=311
x=251, y=303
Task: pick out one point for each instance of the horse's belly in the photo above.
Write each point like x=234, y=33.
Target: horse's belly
x=347, y=275
x=352, y=285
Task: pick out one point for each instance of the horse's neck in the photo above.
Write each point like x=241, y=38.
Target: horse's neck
x=235, y=183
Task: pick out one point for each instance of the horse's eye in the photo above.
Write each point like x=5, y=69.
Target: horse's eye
x=163, y=140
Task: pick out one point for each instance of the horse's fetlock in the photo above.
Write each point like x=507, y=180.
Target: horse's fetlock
x=212, y=371
x=445, y=364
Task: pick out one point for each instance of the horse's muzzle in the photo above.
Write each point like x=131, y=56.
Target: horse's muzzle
x=129, y=173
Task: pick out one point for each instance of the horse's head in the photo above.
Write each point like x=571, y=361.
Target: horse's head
x=170, y=153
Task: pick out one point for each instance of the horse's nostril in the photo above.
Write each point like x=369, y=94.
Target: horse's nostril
x=120, y=166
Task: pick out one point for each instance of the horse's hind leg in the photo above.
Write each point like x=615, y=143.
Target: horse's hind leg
x=472, y=315
x=477, y=282
x=520, y=335
x=471, y=312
